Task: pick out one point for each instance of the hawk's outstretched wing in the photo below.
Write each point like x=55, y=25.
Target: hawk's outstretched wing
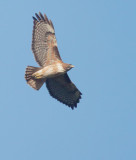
x=44, y=44
x=64, y=90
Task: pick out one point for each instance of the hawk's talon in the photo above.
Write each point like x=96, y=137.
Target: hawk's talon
x=37, y=76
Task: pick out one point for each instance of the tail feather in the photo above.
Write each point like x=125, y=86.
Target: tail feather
x=34, y=83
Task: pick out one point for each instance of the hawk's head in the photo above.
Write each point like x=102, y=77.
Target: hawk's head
x=68, y=66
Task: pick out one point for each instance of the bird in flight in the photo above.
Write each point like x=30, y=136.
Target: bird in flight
x=52, y=70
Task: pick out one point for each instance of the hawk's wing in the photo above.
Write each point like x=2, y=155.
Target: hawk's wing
x=44, y=44
x=64, y=90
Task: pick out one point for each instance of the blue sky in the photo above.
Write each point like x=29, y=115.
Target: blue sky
x=99, y=38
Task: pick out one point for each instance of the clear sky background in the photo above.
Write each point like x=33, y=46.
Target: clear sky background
x=99, y=38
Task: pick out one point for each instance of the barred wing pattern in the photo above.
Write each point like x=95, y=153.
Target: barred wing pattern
x=64, y=90
x=44, y=44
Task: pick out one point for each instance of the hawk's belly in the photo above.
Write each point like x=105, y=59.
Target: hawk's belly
x=50, y=71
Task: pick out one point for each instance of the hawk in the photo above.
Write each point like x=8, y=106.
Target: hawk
x=52, y=70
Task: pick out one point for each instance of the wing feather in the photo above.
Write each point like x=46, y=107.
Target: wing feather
x=44, y=41
x=64, y=90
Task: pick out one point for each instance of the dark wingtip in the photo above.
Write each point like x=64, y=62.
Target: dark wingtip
x=34, y=19
x=73, y=106
x=37, y=16
x=78, y=100
x=42, y=17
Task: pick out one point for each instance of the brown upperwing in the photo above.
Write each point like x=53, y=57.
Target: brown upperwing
x=44, y=44
x=64, y=90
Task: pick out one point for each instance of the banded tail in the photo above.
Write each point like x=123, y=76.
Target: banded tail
x=34, y=83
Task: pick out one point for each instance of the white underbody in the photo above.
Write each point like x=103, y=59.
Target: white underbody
x=51, y=71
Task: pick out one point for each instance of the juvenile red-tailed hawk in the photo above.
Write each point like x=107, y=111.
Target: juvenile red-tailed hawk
x=52, y=69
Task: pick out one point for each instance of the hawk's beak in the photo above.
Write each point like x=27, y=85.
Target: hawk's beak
x=72, y=66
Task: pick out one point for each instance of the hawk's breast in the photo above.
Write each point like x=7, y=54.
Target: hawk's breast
x=52, y=70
